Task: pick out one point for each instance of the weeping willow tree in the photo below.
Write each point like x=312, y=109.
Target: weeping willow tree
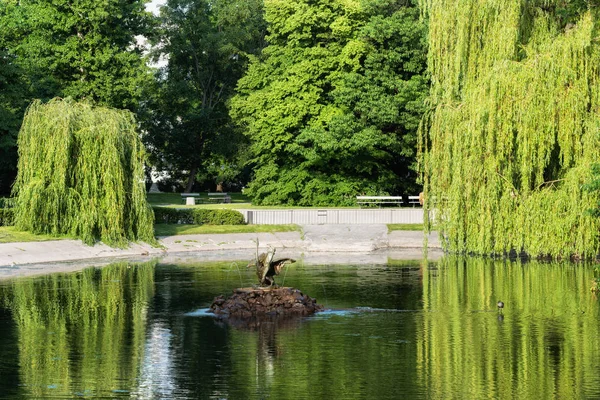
x=514, y=125
x=81, y=174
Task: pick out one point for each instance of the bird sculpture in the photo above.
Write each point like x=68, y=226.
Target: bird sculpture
x=267, y=268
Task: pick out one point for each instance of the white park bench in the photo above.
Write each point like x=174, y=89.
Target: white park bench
x=219, y=197
x=414, y=201
x=378, y=200
x=190, y=198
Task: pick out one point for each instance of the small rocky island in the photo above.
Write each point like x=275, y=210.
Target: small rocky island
x=266, y=299
x=252, y=302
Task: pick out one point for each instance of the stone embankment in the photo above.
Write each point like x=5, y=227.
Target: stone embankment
x=349, y=243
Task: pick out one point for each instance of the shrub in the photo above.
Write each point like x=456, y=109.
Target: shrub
x=218, y=217
x=7, y=216
x=197, y=216
x=165, y=215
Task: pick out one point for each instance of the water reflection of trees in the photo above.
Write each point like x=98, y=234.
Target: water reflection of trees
x=105, y=330
x=544, y=347
x=279, y=358
x=81, y=333
x=9, y=363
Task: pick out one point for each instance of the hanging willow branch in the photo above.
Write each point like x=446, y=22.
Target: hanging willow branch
x=81, y=174
x=515, y=100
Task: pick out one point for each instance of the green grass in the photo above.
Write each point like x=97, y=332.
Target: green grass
x=176, y=229
x=10, y=234
x=405, y=227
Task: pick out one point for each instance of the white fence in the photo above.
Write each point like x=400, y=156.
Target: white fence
x=334, y=216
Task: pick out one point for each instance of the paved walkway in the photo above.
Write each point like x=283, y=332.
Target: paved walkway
x=347, y=241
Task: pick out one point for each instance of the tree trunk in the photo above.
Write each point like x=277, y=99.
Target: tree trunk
x=191, y=180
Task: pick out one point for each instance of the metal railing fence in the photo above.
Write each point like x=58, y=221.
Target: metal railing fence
x=334, y=216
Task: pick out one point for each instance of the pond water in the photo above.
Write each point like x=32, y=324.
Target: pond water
x=408, y=329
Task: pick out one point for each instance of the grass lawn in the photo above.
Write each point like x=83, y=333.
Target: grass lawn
x=9, y=234
x=238, y=201
x=177, y=229
x=405, y=227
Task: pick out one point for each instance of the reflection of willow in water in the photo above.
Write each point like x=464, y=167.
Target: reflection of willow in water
x=543, y=346
x=81, y=333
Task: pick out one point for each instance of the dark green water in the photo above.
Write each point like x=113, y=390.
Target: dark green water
x=405, y=330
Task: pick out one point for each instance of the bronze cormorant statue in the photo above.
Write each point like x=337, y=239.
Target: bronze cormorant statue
x=266, y=268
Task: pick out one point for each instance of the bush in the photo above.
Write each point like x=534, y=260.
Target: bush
x=165, y=215
x=7, y=217
x=197, y=216
x=218, y=217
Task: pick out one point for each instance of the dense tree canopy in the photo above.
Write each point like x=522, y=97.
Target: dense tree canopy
x=13, y=99
x=339, y=91
x=205, y=44
x=514, y=127
x=332, y=105
x=83, y=49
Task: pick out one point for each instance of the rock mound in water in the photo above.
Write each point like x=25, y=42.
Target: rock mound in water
x=251, y=302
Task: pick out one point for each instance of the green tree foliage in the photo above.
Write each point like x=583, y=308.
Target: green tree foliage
x=13, y=95
x=81, y=173
x=13, y=100
x=83, y=49
x=205, y=44
x=514, y=126
x=332, y=106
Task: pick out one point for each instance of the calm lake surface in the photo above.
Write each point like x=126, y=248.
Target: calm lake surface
x=403, y=330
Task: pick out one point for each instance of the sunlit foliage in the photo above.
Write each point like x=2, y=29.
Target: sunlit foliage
x=333, y=104
x=83, y=49
x=81, y=174
x=514, y=125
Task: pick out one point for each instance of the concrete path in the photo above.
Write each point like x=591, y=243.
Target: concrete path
x=363, y=237
x=317, y=240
